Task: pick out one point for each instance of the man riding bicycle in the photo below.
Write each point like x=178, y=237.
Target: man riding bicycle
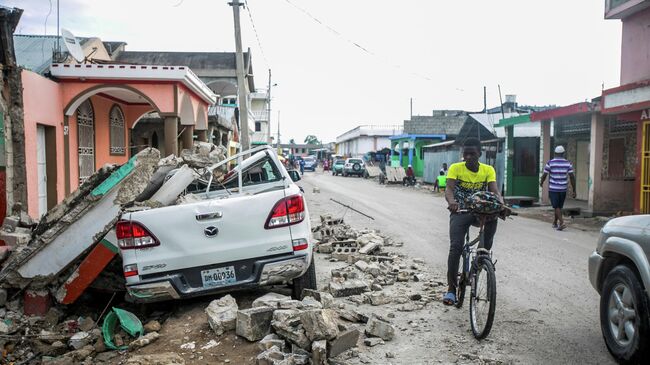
x=463, y=180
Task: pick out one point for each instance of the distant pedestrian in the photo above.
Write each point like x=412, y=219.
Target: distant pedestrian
x=560, y=171
x=410, y=177
x=444, y=169
x=441, y=182
x=302, y=166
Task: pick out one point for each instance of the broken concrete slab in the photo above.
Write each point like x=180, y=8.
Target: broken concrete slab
x=319, y=352
x=81, y=220
x=222, y=314
x=348, y=287
x=88, y=270
x=270, y=300
x=294, y=334
x=172, y=188
x=319, y=324
x=254, y=323
x=370, y=248
x=378, y=327
x=271, y=356
x=344, y=342
x=269, y=341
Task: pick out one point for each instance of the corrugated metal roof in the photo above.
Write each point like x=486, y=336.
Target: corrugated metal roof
x=34, y=52
x=440, y=144
x=194, y=60
x=438, y=124
x=489, y=121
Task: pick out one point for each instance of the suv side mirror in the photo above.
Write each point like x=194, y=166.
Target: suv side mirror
x=295, y=176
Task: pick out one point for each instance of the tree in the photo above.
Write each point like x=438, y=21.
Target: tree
x=292, y=141
x=311, y=139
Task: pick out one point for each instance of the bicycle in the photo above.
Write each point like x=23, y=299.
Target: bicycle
x=479, y=274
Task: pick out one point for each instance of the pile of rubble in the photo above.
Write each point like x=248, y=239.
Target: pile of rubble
x=289, y=331
x=54, y=260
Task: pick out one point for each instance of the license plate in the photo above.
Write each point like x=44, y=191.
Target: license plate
x=218, y=277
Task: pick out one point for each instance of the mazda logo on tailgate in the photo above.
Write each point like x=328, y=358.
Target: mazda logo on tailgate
x=211, y=231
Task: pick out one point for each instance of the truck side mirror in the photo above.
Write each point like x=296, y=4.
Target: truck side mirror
x=295, y=175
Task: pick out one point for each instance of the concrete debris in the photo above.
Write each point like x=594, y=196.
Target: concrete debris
x=203, y=155
x=379, y=327
x=319, y=324
x=152, y=326
x=373, y=341
x=79, y=340
x=144, y=340
x=319, y=352
x=270, y=300
x=254, y=323
x=348, y=287
x=269, y=341
x=344, y=342
x=271, y=356
x=291, y=329
x=222, y=314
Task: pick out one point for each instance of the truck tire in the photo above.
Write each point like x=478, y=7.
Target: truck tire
x=306, y=281
x=623, y=299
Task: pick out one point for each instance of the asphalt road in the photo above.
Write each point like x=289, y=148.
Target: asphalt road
x=547, y=311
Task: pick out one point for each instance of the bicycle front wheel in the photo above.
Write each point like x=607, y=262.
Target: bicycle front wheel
x=483, y=297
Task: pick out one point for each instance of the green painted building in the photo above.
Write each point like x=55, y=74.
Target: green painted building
x=522, y=156
x=407, y=149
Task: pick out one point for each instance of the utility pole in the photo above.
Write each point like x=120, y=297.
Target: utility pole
x=411, y=109
x=278, y=144
x=241, y=79
x=268, y=105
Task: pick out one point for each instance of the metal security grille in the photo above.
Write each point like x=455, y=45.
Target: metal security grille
x=616, y=127
x=572, y=127
x=86, y=140
x=645, y=170
x=118, y=145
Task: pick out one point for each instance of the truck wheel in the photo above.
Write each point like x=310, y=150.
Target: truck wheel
x=624, y=316
x=307, y=281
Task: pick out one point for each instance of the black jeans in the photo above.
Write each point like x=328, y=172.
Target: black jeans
x=458, y=226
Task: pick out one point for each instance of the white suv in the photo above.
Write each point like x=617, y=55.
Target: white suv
x=242, y=233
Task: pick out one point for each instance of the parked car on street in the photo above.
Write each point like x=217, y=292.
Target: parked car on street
x=234, y=234
x=337, y=167
x=310, y=163
x=620, y=272
x=354, y=166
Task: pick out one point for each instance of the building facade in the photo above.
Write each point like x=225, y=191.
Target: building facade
x=366, y=138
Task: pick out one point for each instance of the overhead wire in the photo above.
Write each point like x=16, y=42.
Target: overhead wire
x=357, y=44
x=259, y=42
x=45, y=30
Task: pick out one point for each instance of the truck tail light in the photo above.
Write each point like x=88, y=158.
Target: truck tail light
x=132, y=235
x=130, y=270
x=286, y=212
x=300, y=244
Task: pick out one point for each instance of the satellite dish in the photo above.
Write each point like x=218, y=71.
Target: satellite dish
x=72, y=45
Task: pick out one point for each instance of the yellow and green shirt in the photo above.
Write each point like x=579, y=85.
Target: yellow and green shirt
x=469, y=182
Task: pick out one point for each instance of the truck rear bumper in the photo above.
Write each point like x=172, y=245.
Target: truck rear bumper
x=183, y=284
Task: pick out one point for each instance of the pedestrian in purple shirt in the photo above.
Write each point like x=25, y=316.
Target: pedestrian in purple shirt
x=560, y=171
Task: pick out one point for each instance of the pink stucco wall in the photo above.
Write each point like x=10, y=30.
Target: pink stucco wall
x=635, y=48
x=42, y=105
x=45, y=102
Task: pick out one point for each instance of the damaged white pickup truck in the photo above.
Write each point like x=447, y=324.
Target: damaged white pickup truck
x=244, y=228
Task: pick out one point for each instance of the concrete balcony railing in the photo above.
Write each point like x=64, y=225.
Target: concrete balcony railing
x=261, y=115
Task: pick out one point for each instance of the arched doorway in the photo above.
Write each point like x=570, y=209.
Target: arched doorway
x=86, y=140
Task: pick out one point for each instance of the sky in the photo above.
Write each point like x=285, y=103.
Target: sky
x=339, y=64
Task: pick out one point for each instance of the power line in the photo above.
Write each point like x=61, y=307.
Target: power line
x=45, y=31
x=356, y=44
x=259, y=43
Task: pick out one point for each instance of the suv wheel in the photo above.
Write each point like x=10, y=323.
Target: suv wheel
x=624, y=315
x=306, y=281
